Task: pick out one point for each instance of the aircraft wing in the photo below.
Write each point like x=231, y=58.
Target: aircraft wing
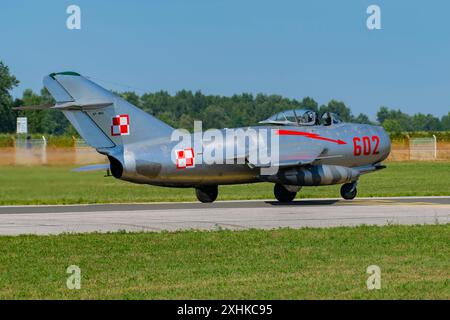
x=369, y=168
x=293, y=156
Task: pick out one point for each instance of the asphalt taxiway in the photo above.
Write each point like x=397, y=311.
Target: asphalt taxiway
x=15, y=220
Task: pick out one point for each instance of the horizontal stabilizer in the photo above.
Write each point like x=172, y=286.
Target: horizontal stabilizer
x=38, y=107
x=93, y=167
x=82, y=106
x=66, y=106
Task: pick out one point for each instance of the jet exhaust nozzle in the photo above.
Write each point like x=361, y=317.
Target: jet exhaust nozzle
x=116, y=167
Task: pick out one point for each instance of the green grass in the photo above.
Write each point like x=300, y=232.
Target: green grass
x=58, y=185
x=6, y=140
x=252, y=264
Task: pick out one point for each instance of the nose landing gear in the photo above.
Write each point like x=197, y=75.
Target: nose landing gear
x=349, y=191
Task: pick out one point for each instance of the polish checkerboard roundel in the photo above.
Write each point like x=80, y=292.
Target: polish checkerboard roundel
x=120, y=125
x=185, y=158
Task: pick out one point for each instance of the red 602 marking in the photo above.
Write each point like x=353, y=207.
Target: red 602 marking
x=376, y=139
x=364, y=145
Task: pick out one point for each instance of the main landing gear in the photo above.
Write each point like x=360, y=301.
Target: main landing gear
x=285, y=193
x=207, y=194
x=349, y=191
x=282, y=193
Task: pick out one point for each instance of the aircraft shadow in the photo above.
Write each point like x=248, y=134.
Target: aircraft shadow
x=303, y=203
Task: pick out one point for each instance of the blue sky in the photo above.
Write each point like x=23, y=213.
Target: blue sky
x=297, y=48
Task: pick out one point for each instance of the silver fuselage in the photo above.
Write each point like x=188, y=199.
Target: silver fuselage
x=152, y=163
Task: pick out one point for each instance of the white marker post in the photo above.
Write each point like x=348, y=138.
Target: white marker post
x=435, y=147
x=22, y=125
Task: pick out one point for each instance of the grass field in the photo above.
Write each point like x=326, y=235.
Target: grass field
x=58, y=185
x=253, y=264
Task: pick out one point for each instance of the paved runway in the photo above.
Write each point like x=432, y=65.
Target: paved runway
x=228, y=214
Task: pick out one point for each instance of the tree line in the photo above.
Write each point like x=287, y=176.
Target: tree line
x=181, y=109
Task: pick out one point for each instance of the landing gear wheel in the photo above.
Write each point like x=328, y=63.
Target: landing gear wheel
x=349, y=191
x=282, y=194
x=207, y=194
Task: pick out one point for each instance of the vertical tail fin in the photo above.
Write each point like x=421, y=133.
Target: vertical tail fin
x=103, y=119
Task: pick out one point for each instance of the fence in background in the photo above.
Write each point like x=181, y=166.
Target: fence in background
x=423, y=148
x=37, y=152
x=420, y=149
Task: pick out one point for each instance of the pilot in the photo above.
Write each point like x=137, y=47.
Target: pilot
x=317, y=120
x=327, y=119
x=311, y=118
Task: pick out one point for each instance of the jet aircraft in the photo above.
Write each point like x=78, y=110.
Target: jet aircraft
x=311, y=151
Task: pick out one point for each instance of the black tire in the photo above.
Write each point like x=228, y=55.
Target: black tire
x=348, y=191
x=207, y=194
x=282, y=194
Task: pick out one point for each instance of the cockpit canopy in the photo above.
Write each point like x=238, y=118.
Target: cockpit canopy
x=301, y=117
x=329, y=118
x=292, y=117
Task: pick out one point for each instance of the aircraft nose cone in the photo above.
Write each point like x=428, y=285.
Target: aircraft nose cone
x=385, y=143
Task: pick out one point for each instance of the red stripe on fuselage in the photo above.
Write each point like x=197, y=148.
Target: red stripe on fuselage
x=307, y=135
